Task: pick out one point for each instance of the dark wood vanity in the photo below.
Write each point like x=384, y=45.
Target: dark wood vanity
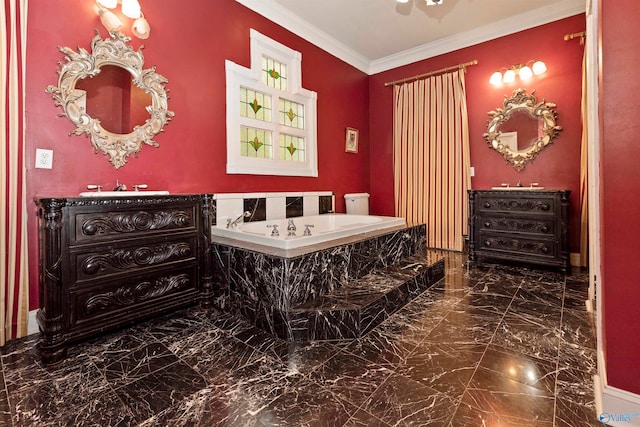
x=528, y=226
x=108, y=261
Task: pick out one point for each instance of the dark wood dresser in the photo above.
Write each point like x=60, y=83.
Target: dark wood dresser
x=529, y=226
x=108, y=261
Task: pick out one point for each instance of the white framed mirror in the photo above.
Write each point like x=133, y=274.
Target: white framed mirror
x=522, y=128
x=126, y=132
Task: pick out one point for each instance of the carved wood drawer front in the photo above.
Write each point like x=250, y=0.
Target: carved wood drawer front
x=511, y=245
x=521, y=225
x=96, y=226
x=128, y=257
x=516, y=204
x=109, y=301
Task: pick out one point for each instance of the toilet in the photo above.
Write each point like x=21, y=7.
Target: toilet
x=357, y=203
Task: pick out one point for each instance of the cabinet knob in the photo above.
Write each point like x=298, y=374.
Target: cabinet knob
x=544, y=229
x=487, y=224
x=544, y=250
x=487, y=243
x=544, y=206
x=487, y=205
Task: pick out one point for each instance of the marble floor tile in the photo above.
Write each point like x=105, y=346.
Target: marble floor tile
x=403, y=401
x=445, y=367
x=306, y=405
x=350, y=377
x=489, y=345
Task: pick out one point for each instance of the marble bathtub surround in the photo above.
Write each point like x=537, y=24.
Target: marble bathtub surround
x=446, y=358
x=268, y=206
x=339, y=292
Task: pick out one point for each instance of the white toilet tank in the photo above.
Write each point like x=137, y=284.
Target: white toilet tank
x=357, y=203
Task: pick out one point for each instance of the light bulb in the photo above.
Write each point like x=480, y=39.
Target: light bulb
x=539, y=67
x=141, y=28
x=131, y=9
x=109, y=4
x=110, y=21
x=509, y=76
x=525, y=73
x=496, y=78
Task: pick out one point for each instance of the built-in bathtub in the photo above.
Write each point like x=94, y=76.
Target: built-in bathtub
x=293, y=293
x=320, y=229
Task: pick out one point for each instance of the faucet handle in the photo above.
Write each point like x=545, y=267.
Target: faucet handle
x=274, y=232
x=140, y=186
x=307, y=232
x=94, y=187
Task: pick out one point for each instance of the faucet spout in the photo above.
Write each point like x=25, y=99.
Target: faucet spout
x=119, y=187
x=234, y=223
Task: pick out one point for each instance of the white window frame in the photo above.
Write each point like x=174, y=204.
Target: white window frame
x=238, y=76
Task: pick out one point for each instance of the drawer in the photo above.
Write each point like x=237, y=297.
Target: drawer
x=503, y=244
x=126, y=299
x=492, y=202
x=535, y=225
x=93, y=227
x=129, y=257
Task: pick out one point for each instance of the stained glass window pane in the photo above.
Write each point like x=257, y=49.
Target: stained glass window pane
x=255, y=143
x=255, y=105
x=274, y=73
x=291, y=114
x=291, y=148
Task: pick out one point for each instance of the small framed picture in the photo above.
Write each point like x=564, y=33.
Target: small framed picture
x=352, y=141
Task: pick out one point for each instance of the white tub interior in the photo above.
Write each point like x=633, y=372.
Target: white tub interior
x=323, y=228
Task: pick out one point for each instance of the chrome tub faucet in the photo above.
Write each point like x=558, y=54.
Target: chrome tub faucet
x=234, y=223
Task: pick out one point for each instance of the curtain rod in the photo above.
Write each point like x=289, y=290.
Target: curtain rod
x=581, y=34
x=440, y=71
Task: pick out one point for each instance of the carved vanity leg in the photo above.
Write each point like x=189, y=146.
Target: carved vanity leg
x=50, y=315
x=206, y=268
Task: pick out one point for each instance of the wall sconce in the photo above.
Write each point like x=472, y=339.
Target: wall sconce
x=524, y=71
x=130, y=9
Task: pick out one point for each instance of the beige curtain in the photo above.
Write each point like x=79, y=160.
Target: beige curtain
x=584, y=184
x=431, y=157
x=14, y=280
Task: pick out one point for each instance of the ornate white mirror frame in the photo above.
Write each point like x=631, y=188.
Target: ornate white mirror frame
x=542, y=112
x=82, y=64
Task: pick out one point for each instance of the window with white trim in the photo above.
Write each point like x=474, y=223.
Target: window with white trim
x=271, y=119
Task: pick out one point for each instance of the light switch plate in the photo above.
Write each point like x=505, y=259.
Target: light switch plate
x=473, y=171
x=44, y=158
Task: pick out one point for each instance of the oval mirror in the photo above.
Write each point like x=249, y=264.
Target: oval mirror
x=132, y=107
x=522, y=129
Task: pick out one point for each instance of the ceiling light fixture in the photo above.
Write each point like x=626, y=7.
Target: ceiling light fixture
x=523, y=71
x=130, y=9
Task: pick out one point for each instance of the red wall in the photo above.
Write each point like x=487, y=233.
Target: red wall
x=557, y=167
x=189, y=45
x=620, y=199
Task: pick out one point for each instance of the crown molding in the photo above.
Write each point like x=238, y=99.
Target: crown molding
x=285, y=18
x=504, y=27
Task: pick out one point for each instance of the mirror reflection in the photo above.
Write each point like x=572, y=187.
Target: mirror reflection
x=522, y=129
x=113, y=98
